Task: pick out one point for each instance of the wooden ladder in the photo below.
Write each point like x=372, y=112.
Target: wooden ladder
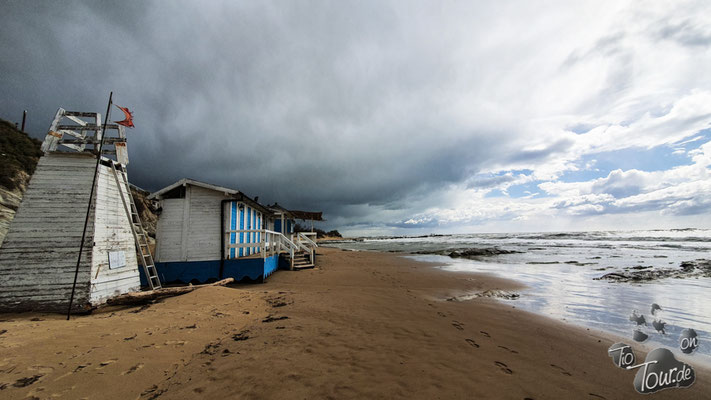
x=139, y=234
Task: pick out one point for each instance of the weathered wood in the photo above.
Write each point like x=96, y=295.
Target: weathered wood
x=74, y=118
x=112, y=233
x=50, y=141
x=150, y=295
x=86, y=127
x=88, y=140
x=38, y=256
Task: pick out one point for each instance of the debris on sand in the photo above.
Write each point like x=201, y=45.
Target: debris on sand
x=500, y=294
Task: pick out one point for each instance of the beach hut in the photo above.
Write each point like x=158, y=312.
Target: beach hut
x=281, y=219
x=287, y=218
x=207, y=232
x=38, y=257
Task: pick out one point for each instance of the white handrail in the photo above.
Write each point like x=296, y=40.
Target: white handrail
x=272, y=242
x=282, y=238
x=301, y=245
x=304, y=236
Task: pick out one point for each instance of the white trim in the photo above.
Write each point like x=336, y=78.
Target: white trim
x=186, y=181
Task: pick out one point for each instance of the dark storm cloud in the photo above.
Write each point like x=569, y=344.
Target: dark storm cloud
x=309, y=104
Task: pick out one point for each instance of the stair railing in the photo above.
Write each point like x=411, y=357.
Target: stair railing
x=308, y=244
x=278, y=243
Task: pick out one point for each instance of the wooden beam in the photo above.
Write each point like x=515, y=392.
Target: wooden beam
x=148, y=296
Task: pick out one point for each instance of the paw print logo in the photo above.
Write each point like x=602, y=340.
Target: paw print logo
x=660, y=369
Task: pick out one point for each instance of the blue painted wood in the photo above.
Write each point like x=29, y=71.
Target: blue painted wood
x=233, y=226
x=259, y=234
x=241, y=234
x=249, y=226
x=202, y=271
x=271, y=264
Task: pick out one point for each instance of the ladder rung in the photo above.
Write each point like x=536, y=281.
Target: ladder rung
x=139, y=233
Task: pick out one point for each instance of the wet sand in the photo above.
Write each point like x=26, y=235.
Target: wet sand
x=361, y=325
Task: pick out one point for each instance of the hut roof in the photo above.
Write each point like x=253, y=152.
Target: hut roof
x=236, y=194
x=312, y=215
x=296, y=214
x=187, y=181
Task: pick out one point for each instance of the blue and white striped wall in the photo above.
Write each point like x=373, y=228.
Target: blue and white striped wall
x=242, y=216
x=289, y=226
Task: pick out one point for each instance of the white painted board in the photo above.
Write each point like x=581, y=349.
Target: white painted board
x=117, y=259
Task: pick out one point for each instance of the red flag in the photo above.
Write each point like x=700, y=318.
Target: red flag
x=129, y=117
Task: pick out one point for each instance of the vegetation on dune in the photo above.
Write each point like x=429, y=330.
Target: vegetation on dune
x=18, y=153
x=320, y=233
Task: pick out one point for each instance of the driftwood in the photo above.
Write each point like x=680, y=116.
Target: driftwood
x=148, y=296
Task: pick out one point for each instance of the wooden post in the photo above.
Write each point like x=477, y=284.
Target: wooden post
x=24, y=118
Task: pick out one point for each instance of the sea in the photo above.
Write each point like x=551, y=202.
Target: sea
x=560, y=269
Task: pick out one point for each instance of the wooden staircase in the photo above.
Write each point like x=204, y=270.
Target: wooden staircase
x=302, y=260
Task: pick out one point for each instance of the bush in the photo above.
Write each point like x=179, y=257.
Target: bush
x=320, y=233
x=18, y=152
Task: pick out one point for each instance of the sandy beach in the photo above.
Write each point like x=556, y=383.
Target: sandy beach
x=361, y=325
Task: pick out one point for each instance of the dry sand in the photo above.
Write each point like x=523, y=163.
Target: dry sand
x=362, y=325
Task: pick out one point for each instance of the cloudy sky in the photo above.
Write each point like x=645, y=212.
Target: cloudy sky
x=398, y=117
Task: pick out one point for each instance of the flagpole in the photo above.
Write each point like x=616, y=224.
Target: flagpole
x=91, y=200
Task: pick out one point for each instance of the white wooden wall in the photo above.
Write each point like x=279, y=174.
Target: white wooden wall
x=112, y=233
x=204, y=225
x=169, y=231
x=189, y=229
x=38, y=256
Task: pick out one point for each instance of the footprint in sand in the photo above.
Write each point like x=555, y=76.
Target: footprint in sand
x=107, y=362
x=484, y=333
x=458, y=325
x=133, y=369
x=562, y=370
x=504, y=368
x=472, y=343
x=441, y=314
x=24, y=382
x=81, y=367
x=271, y=318
x=507, y=349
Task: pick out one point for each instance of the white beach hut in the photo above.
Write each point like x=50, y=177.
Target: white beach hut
x=208, y=232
